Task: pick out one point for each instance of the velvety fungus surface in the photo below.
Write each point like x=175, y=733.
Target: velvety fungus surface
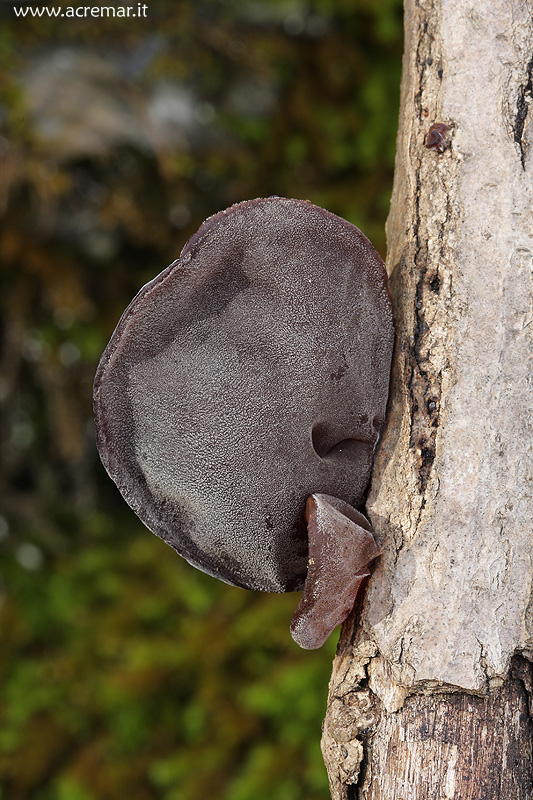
x=250, y=374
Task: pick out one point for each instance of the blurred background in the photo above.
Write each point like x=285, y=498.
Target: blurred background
x=124, y=672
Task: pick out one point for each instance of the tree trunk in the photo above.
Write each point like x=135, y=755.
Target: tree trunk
x=423, y=701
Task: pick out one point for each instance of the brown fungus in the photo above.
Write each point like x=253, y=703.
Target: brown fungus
x=436, y=137
x=250, y=374
x=341, y=547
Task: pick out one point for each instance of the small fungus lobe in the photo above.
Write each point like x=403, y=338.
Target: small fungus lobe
x=436, y=137
x=341, y=546
x=251, y=373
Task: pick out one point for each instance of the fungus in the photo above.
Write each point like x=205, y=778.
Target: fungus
x=250, y=374
x=436, y=137
x=341, y=546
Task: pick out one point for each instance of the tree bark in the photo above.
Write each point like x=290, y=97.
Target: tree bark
x=439, y=745
x=448, y=606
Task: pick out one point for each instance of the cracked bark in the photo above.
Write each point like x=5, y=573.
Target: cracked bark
x=430, y=695
x=525, y=96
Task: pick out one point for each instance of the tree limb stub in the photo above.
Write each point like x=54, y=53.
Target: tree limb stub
x=452, y=494
x=450, y=601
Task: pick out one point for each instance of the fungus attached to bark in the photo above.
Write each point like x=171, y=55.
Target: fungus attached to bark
x=250, y=374
x=341, y=547
x=436, y=137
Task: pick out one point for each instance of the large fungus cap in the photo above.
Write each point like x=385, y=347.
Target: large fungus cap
x=248, y=375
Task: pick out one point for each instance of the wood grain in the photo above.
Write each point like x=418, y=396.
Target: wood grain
x=443, y=746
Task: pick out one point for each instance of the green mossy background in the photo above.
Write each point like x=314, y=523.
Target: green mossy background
x=124, y=672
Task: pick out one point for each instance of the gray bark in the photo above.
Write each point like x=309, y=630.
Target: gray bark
x=449, y=602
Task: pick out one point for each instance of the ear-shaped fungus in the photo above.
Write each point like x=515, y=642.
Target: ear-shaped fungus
x=341, y=547
x=251, y=373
